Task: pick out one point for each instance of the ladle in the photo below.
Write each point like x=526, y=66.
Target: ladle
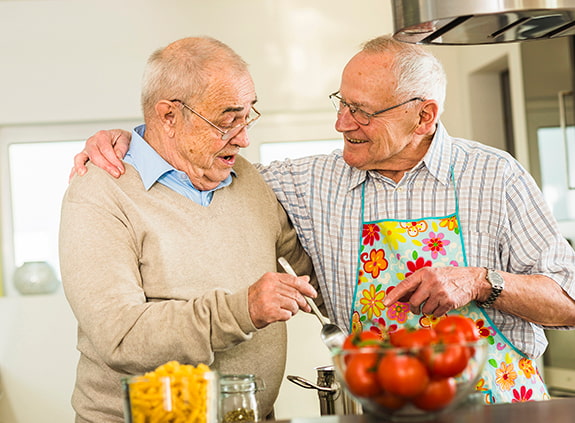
x=332, y=335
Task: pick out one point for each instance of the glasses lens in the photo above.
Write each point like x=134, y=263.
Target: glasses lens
x=232, y=132
x=359, y=115
x=336, y=102
x=251, y=119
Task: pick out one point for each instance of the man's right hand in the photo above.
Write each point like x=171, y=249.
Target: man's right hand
x=278, y=297
x=105, y=149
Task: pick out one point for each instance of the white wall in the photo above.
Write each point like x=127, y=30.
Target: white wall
x=81, y=61
x=37, y=359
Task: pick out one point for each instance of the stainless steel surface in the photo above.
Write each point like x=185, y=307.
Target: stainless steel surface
x=332, y=335
x=333, y=399
x=460, y=22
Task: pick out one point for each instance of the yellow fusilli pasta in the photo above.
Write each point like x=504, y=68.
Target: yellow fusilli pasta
x=173, y=393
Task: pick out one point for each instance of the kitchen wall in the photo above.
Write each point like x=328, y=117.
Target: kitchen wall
x=70, y=62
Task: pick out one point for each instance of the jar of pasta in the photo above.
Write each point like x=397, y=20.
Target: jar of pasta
x=175, y=393
x=238, y=398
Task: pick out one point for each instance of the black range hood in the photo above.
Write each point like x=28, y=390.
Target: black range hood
x=463, y=22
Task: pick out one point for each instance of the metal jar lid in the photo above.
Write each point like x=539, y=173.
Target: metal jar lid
x=230, y=384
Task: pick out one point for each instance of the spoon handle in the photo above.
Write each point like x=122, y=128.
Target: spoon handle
x=287, y=267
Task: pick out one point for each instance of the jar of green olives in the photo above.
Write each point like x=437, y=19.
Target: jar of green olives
x=238, y=398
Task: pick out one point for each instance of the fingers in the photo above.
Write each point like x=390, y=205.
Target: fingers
x=434, y=290
x=121, y=142
x=298, y=289
x=79, y=167
x=402, y=292
x=105, y=149
x=431, y=307
x=291, y=291
x=278, y=297
x=103, y=154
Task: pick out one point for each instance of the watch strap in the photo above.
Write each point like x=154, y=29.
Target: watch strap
x=496, y=289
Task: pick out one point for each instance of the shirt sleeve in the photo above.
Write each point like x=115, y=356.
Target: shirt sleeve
x=538, y=245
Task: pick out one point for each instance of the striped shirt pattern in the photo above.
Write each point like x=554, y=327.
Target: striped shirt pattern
x=504, y=219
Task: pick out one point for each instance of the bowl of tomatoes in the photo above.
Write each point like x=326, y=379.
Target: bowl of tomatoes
x=412, y=373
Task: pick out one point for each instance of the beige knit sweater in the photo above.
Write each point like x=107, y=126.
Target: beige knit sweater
x=152, y=276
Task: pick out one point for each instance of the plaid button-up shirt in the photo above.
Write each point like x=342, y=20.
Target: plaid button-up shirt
x=505, y=221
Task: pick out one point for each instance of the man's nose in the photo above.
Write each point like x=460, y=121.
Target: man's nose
x=241, y=139
x=345, y=121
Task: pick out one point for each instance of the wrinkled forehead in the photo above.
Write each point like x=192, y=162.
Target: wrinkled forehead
x=229, y=90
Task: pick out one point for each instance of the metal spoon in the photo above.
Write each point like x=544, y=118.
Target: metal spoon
x=332, y=335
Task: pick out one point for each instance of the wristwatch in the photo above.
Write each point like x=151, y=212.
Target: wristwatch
x=497, y=283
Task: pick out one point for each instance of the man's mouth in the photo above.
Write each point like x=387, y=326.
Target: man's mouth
x=355, y=141
x=229, y=160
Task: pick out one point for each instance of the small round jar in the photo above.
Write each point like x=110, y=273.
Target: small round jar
x=238, y=398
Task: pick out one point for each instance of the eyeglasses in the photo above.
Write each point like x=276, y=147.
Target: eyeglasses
x=227, y=134
x=361, y=116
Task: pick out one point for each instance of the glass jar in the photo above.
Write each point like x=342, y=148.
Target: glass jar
x=238, y=398
x=184, y=398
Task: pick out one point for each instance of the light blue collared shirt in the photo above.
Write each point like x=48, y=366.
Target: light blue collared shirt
x=153, y=168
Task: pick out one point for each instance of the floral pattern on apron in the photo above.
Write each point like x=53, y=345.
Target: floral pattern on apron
x=390, y=251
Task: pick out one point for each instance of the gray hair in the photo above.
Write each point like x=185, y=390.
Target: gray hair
x=418, y=72
x=182, y=69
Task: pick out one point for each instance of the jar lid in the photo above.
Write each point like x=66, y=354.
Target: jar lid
x=238, y=383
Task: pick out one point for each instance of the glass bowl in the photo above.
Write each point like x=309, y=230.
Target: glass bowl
x=411, y=383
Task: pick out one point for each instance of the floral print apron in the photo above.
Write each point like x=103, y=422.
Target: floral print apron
x=390, y=251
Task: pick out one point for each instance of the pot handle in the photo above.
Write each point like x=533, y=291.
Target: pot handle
x=304, y=383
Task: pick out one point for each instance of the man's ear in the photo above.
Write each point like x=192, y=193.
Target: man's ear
x=168, y=114
x=428, y=117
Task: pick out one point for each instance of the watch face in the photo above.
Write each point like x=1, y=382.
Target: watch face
x=495, y=279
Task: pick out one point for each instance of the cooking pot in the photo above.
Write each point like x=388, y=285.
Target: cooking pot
x=333, y=399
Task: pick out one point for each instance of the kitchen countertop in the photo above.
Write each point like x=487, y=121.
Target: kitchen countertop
x=560, y=410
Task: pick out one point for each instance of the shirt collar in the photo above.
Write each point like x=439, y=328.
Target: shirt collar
x=437, y=160
x=149, y=164
x=438, y=157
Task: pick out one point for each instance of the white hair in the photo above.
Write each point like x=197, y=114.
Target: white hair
x=183, y=68
x=418, y=72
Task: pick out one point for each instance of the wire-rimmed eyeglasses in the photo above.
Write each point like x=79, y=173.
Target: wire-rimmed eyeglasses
x=227, y=134
x=361, y=116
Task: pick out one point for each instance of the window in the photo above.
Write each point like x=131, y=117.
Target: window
x=557, y=177
x=35, y=164
x=38, y=178
x=281, y=150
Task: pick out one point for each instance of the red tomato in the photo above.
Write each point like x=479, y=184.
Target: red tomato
x=361, y=374
x=438, y=394
x=412, y=338
x=365, y=339
x=446, y=359
x=402, y=375
x=460, y=325
x=362, y=340
x=389, y=401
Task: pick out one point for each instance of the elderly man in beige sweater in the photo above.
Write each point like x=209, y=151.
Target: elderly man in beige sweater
x=177, y=260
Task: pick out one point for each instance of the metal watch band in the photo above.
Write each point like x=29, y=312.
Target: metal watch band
x=496, y=288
